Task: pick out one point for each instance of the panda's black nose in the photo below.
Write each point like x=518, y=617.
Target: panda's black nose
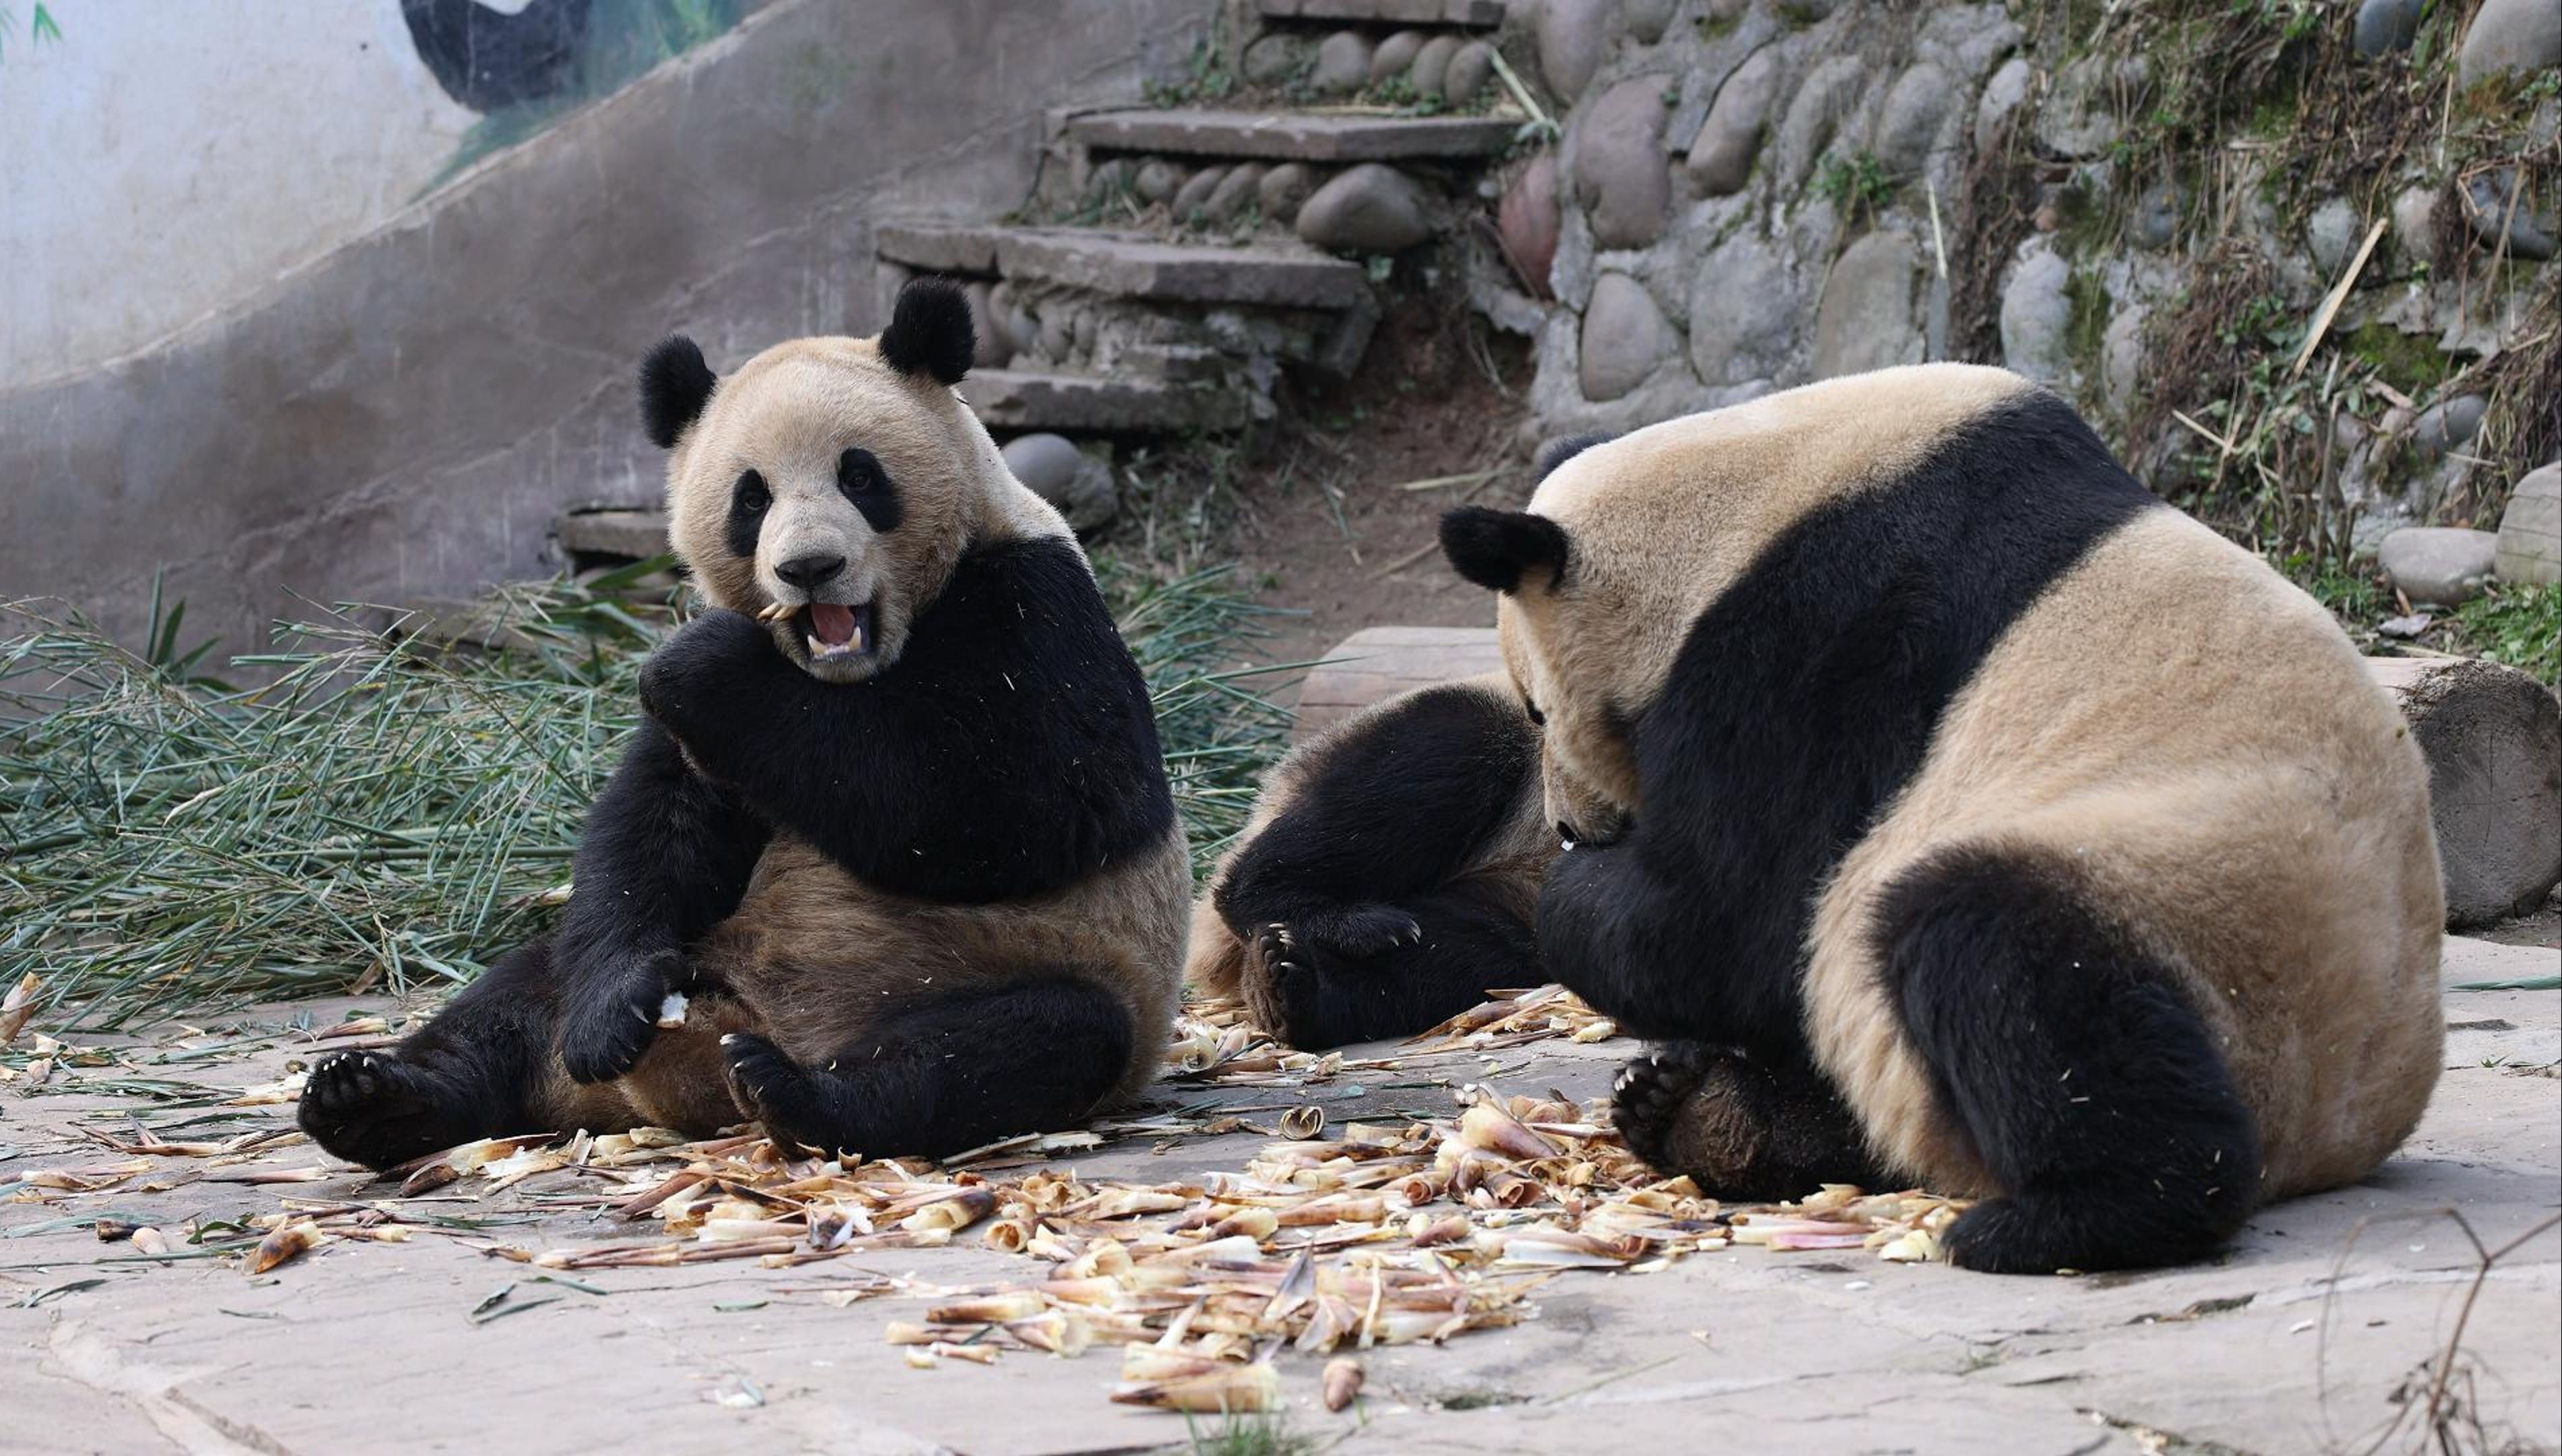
x=810, y=573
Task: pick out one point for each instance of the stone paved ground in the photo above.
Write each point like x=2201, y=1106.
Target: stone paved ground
x=2296, y=1341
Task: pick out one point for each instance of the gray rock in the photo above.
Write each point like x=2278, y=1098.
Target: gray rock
x=2002, y=95
x=1343, y=62
x=2121, y=359
x=1274, y=58
x=2438, y=566
x=1573, y=35
x=2037, y=314
x=1910, y=121
x=1827, y=95
x=995, y=347
x=1394, y=55
x=1054, y=469
x=2080, y=116
x=2386, y=26
x=1620, y=174
x=2332, y=231
x=1646, y=19
x=2500, y=217
x=2530, y=528
x=1865, y=320
x=1432, y=65
x=1807, y=12
x=1108, y=180
x=1721, y=156
x=1728, y=12
x=1368, y=209
x=1283, y=189
x=1239, y=189
x=1967, y=39
x=2415, y=225
x=1624, y=336
x=1058, y=331
x=1470, y=70
x=2521, y=36
x=2447, y=425
x=1194, y=196
x=1157, y=180
x=2155, y=223
x=1743, y=308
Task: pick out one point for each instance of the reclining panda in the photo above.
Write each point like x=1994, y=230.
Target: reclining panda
x=1960, y=814
x=897, y=824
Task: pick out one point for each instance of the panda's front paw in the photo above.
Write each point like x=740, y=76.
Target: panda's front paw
x=1362, y=932
x=686, y=673
x=612, y=1019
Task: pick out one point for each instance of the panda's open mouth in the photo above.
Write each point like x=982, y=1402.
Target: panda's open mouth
x=838, y=633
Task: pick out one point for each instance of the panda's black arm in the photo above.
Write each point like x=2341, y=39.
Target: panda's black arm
x=1011, y=749
x=665, y=855
x=1642, y=934
x=1392, y=807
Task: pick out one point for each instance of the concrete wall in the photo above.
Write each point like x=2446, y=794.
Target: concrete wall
x=402, y=416
x=164, y=159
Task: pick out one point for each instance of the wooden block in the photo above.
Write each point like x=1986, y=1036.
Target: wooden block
x=2493, y=737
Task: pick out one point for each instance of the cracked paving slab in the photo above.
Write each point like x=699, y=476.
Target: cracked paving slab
x=2298, y=1339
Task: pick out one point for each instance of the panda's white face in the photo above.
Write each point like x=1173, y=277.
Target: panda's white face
x=829, y=486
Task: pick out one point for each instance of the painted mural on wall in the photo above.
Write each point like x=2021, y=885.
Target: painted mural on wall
x=166, y=163
x=522, y=69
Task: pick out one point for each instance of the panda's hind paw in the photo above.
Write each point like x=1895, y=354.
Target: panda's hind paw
x=1647, y=1100
x=369, y=1107
x=778, y=1092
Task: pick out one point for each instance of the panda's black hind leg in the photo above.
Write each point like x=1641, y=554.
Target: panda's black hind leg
x=945, y=1075
x=1328, y=976
x=462, y=1076
x=2078, y=1065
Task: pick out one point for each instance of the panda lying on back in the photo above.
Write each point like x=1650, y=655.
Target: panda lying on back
x=1961, y=813
x=897, y=824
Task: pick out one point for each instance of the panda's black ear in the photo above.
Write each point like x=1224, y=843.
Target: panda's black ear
x=930, y=330
x=674, y=384
x=1500, y=549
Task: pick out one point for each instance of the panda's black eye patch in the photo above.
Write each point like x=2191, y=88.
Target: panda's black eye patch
x=747, y=501
x=860, y=476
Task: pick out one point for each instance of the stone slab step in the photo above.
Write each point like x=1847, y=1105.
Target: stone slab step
x=1131, y=267
x=1293, y=137
x=629, y=533
x=1011, y=399
x=1482, y=14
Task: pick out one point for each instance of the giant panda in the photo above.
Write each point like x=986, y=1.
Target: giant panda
x=1387, y=874
x=1966, y=816
x=897, y=824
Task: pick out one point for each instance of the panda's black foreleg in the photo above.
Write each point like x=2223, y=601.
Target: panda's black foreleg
x=2078, y=1064
x=468, y=1073
x=665, y=855
x=1404, y=966
x=945, y=1075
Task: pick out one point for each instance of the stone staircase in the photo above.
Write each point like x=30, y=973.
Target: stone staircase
x=1176, y=260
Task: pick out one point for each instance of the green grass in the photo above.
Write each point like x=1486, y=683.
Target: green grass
x=382, y=811
x=2521, y=626
x=1267, y=1434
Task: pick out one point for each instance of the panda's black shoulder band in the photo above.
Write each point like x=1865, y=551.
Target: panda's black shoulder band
x=1011, y=749
x=675, y=384
x=930, y=331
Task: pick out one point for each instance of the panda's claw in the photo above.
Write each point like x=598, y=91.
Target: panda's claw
x=378, y=1109
x=1647, y=1101
x=778, y=1092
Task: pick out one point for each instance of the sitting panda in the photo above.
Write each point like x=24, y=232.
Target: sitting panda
x=1386, y=877
x=1967, y=817
x=897, y=824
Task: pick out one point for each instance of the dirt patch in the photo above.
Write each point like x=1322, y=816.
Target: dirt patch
x=1313, y=509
